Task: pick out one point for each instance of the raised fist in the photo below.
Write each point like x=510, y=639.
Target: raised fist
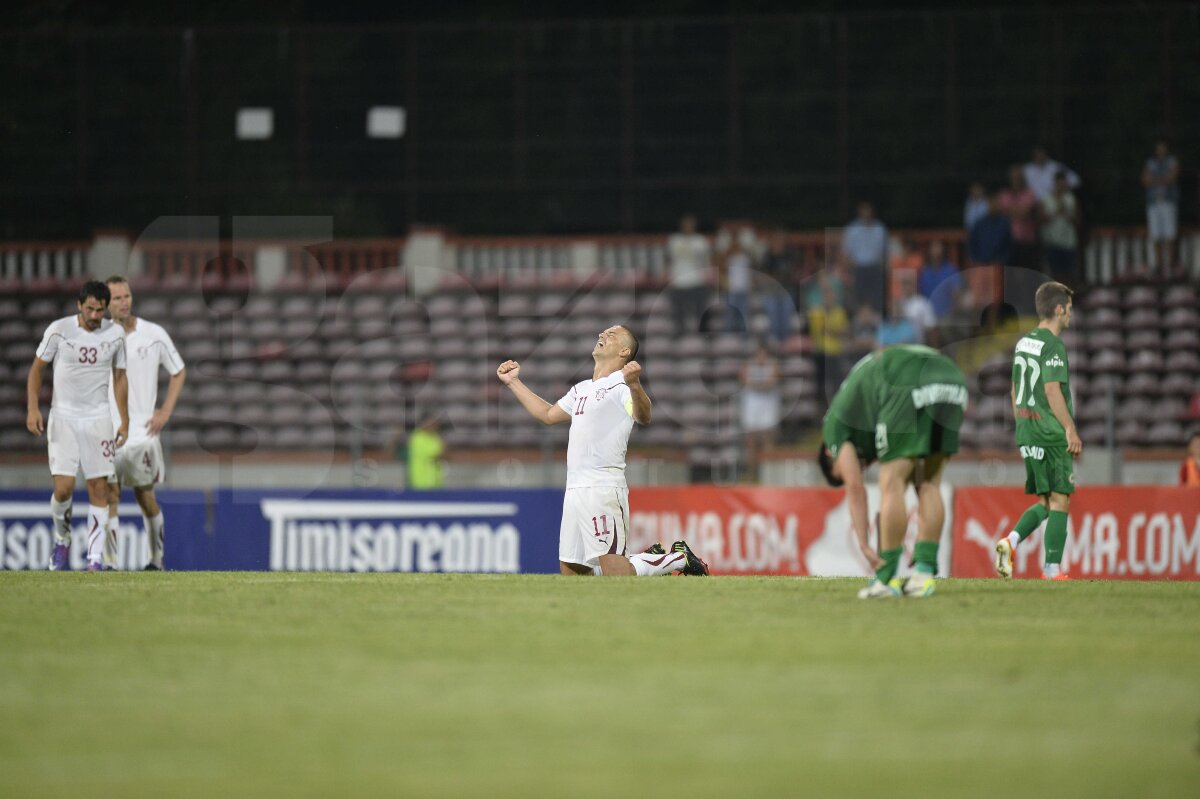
x=508, y=371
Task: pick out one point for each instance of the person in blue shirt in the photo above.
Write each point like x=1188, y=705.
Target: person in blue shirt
x=939, y=280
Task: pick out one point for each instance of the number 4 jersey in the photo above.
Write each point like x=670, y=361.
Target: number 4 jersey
x=83, y=363
x=1040, y=358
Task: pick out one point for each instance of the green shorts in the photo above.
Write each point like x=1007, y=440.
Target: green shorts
x=922, y=415
x=1048, y=469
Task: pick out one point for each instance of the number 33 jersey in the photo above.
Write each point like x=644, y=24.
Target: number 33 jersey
x=1040, y=357
x=83, y=363
x=601, y=421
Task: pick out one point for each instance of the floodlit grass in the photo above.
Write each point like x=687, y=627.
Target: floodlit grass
x=224, y=685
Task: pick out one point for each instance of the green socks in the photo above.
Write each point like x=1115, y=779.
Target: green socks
x=1056, y=535
x=1030, y=519
x=925, y=554
x=891, y=562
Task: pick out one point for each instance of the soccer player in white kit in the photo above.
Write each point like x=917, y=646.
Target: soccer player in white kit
x=89, y=352
x=595, y=520
x=140, y=462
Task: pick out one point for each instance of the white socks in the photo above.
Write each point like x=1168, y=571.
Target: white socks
x=1014, y=538
x=154, y=531
x=61, y=513
x=647, y=565
x=1051, y=569
x=97, y=532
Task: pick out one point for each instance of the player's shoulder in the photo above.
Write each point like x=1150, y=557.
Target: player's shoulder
x=62, y=325
x=151, y=329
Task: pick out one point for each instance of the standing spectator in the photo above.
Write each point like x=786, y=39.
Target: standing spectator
x=865, y=246
x=1060, y=237
x=906, y=263
x=736, y=273
x=976, y=207
x=688, y=253
x=939, y=281
x=1040, y=172
x=777, y=281
x=425, y=453
x=1020, y=205
x=989, y=246
x=760, y=406
x=827, y=327
x=1189, y=470
x=1160, y=176
x=917, y=308
x=864, y=333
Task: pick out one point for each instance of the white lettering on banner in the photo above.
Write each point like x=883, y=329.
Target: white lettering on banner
x=1031, y=346
x=356, y=535
x=26, y=538
x=939, y=394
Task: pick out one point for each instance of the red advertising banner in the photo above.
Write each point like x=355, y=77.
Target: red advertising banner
x=1119, y=532
x=788, y=531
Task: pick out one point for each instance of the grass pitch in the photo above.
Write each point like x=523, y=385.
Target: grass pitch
x=205, y=684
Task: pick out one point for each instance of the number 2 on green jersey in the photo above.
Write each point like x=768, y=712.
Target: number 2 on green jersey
x=1034, y=372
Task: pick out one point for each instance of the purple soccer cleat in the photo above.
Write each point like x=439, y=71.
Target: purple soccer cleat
x=60, y=556
x=95, y=566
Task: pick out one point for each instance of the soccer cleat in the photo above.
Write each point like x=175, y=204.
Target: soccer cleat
x=1004, y=558
x=654, y=549
x=95, y=566
x=60, y=556
x=150, y=567
x=919, y=584
x=108, y=568
x=879, y=590
x=1059, y=576
x=693, y=565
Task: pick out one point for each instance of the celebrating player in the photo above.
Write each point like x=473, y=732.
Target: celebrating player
x=90, y=352
x=140, y=462
x=903, y=406
x=595, y=520
x=1046, y=435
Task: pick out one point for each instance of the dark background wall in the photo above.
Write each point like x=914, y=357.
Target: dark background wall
x=519, y=125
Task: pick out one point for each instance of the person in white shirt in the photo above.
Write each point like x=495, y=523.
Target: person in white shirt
x=595, y=520
x=688, y=253
x=88, y=352
x=1040, y=172
x=140, y=462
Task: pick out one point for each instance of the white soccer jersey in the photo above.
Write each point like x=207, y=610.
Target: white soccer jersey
x=147, y=347
x=83, y=364
x=601, y=421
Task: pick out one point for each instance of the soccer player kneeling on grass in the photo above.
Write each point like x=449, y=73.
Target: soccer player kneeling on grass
x=595, y=520
x=902, y=406
x=1046, y=435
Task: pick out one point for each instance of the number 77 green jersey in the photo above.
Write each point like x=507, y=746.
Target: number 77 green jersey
x=1040, y=357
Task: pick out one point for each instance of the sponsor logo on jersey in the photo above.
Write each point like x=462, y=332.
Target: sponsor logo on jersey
x=1031, y=346
x=940, y=394
x=1055, y=361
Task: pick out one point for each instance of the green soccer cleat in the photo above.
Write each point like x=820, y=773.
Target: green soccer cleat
x=879, y=590
x=654, y=549
x=1004, y=558
x=693, y=565
x=919, y=585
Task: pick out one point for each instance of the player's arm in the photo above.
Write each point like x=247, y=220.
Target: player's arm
x=544, y=412
x=159, y=420
x=850, y=470
x=121, y=392
x=632, y=372
x=33, y=392
x=1058, y=406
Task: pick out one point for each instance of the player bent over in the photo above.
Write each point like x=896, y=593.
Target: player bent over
x=595, y=520
x=904, y=406
x=88, y=352
x=140, y=462
x=1046, y=435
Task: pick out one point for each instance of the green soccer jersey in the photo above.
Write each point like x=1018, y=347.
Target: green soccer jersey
x=854, y=409
x=1040, y=357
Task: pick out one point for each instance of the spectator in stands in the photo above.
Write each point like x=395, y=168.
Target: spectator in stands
x=1060, y=236
x=1160, y=176
x=1189, y=470
x=688, y=253
x=735, y=276
x=976, y=207
x=906, y=262
x=776, y=285
x=864, y=334
x=917, y=308
x=989, y=246
x=760, y=406
x=1040, y=173
x=939, y=281
x=1020, y=205
x=424, y=454
x=827, y=327
x=865, y=248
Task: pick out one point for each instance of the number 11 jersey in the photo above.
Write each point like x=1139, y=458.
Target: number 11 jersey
x=601, y=421
x=1040, y=357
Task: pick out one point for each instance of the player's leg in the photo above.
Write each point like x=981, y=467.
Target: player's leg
x=931, y=517
x=63, y=454
x=894, y=476
x=1037, y=483
x=97, y=525
x=1056, y=535
x=155, y=524
x=96, y=460
x=114, y=523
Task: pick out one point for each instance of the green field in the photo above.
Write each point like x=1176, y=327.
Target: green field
x=212, y=685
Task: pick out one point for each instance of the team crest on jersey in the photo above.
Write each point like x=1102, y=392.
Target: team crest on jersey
x=600, y=392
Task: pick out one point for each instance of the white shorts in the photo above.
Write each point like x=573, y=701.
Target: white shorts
x=595, y=522
x=1162, y=220
x=86, y=443
x=139, y=465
